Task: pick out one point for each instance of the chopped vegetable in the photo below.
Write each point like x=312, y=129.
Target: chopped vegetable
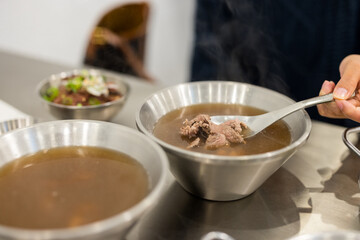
x=67, y=101
x=96, y=86
x=74, y=84
x=83, y=89
x=51, y=93
x=94, y=101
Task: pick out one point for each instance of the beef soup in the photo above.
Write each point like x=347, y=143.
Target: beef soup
x=69, y=186
x=169, y=130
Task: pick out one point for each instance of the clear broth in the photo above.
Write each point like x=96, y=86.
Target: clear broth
x=272, y=138
x=69, y=186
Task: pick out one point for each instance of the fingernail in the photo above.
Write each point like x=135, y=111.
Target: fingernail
x=340, y=93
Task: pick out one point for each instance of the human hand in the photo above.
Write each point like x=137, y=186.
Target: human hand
x=346, y=105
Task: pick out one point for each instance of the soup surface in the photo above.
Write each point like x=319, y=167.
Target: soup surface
x=69, y=186
x=272, y=138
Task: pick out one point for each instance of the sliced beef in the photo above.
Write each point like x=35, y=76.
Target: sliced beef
x=216, y=140
x=194, y=143
x=214, y=136
x=199, y=126
x=232, y=129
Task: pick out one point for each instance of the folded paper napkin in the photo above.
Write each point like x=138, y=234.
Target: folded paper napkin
x=8, y=112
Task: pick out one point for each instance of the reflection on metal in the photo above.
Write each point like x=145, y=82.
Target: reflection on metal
x=13, y=124
x=349, y=144
x=217, y=236
x=333, y=235
x=346, y=140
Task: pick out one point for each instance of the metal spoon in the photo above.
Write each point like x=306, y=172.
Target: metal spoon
x=259, y=122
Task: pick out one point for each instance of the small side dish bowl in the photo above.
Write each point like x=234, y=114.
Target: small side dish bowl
x=215, y=177
x=88, y=133
x=96, y=111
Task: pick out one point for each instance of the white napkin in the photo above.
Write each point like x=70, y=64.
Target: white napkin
x=8, y=112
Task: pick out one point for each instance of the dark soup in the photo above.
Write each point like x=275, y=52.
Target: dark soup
x=69, y=186
x=272, y=138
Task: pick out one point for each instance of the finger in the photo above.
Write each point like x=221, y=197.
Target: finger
x=350, y=77
x=328, y=109
x=327, y=87
x=349, y=110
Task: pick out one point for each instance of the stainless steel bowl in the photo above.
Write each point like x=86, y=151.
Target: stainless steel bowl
x=221, y=177
x=348, y=141
x=12, y=124
x=88, y=133
x=351, y=139
x=104, y=112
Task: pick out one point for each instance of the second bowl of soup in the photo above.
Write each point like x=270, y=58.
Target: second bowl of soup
x=229, y=170
x=77, y=179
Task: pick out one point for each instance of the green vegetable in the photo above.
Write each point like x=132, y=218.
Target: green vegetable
x=94, y=101
x=74, y=84
x=67, y=101
x=51, y=93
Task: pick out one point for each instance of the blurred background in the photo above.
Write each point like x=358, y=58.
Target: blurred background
x=59, y=31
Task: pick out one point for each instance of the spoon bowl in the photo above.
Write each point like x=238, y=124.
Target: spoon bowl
x=259, y=122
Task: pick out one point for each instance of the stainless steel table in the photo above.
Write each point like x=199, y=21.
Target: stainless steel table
x=316, y=190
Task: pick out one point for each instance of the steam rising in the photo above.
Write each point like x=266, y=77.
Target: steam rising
x=236, y=48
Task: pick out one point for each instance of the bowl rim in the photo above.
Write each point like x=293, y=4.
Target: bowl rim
x=16, y=123
x=125, y=84
x=328, y=234
x=221, y=159
x=106, y=224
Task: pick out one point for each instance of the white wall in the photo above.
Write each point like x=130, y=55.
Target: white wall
x=58, y=30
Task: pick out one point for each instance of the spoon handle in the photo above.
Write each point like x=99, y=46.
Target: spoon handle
x=302, y=104
x=259, y=122
x=317, y=100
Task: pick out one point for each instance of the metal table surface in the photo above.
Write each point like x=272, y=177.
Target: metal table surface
x=316, y=190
